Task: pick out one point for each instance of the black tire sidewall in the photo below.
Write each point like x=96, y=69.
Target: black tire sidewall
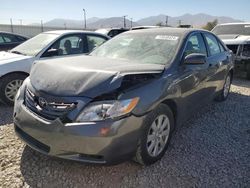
x=4, y=82
x=225, y=97
x=162, y=109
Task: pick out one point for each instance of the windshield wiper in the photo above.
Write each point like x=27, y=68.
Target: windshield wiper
x=17, y=52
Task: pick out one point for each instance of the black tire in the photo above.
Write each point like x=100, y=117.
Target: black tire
x=222, y=97
x=142, y=155
x=4, y=81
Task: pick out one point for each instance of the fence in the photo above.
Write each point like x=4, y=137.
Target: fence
x=31, y=30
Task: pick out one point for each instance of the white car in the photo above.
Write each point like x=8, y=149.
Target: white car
x=15, y=65
x=237, y=38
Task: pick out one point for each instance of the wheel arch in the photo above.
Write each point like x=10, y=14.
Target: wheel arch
x=15, y=72
x=173, y=106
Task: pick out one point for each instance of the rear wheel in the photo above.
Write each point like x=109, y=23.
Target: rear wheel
x=155, y=136
x=226, y=89
x=9, y=86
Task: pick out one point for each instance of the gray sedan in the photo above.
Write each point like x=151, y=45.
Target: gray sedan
x=124, y=100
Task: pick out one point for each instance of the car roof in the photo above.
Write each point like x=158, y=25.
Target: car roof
x=145, y=27
x=236, y=23
x=169, y=30
x=5, y=32
x=61, y=32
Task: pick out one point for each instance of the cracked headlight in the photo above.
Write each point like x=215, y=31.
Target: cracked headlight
x=102, y=110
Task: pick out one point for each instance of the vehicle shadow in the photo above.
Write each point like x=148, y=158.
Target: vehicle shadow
x=37, y=167
x=5, y=114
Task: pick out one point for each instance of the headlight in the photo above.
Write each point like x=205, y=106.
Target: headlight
x=102, y=110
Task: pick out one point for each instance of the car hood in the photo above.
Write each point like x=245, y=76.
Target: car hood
x=7, y=57
x=85, y=76
x=235, y=39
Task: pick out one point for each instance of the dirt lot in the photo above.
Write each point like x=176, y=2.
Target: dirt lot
x=211, y=150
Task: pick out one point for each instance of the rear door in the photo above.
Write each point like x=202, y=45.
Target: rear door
x=218, y=58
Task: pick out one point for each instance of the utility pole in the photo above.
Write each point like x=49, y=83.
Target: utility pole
x=179, y=22
x=42, y=25
x=166, y=21
x=11, y=25
x=85, y=25
x=131, y=23
x=124, y=21
x=65, y=26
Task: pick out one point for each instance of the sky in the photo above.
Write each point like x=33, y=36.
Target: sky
x=36, y=10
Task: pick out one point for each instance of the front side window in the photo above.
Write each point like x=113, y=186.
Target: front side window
x=152, y=48
x=94, y=41
x=68, y=45
x=212, y=43
x=195, y=44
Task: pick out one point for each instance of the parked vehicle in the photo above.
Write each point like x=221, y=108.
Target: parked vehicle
x=237, y=38
x=15, y=65
x=10, y=40
x=111, y=32
x=125, y=99
x=144, y=27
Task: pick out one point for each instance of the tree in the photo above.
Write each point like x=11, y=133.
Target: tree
x=210, y=25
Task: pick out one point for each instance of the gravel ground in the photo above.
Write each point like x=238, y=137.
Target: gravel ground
x=210, y=150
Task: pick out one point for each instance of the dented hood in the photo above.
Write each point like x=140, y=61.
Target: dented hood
x=86, y=76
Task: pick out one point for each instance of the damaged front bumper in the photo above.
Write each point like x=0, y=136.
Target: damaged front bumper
x=104, y=142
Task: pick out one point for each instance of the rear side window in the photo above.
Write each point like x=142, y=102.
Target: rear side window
x=94, y=41
x=1, y=40
x=222, y=49
x=21, y=38
x=195, y=44
x=9, y=38
x=213, y=45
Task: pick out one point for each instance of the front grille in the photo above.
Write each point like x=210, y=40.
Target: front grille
x=32, y=141
x=234, y=48
x=47, y=109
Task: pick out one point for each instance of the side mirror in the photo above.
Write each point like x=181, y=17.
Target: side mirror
x=195, y=58
x=51, y=52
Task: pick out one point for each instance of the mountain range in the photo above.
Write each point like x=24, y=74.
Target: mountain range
x=196, y=20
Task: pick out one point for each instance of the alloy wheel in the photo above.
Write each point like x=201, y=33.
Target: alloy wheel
x=12, y=88
x=227, y=86
x=158, y=135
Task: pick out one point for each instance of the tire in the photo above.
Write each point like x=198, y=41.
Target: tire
x=145, y=155
x=9, y=85
x=226, y=89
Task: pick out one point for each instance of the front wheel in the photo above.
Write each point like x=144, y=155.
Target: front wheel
x=9, y=86
x=155, y=135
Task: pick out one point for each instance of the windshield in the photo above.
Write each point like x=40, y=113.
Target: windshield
x=239, y=29
x=140, y=47
x=34, y=45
